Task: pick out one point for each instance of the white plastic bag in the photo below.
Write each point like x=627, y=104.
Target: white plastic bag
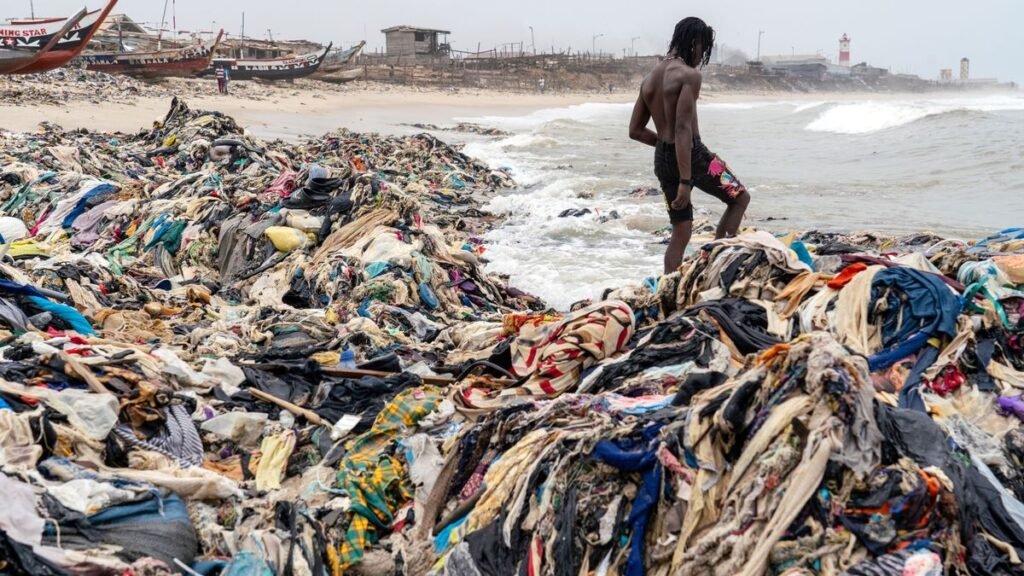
x=95, y=415
x=244, y=428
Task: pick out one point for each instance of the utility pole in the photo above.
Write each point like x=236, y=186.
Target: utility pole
x=533, y=41
x=632, y=45
x=32, y=7
x=593, y=47
x=759, y=34
x=243, y=34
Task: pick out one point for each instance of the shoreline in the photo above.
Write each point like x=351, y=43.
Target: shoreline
x=310, y=109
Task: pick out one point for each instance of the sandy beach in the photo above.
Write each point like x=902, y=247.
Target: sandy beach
x=291, y=111
x=285, y=111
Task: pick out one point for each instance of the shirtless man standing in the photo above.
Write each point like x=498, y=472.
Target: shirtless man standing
x=681, y=161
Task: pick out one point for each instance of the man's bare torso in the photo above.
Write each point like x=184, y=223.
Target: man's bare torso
x=661, y=90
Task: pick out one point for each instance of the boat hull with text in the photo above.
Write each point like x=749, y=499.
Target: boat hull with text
x=69, y=44
x=180, y=62
x=271, y=69
x=14, y=58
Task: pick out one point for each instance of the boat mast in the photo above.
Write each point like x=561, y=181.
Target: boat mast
x=163, y=21
x=32, y=7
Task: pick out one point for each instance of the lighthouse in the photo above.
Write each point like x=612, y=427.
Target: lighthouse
x=844, y=50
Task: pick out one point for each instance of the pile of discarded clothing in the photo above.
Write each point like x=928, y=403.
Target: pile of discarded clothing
x=223, y=356
x=173, y=301
x=71, y=84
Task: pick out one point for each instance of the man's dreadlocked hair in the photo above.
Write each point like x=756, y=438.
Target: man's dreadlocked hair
x=688, y=32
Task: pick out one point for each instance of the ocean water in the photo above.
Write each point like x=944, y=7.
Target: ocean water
x=953, y=165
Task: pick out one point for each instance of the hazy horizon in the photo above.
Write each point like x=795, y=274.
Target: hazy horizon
x=918, y=39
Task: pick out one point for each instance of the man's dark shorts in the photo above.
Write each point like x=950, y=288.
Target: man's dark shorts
x=709, y=173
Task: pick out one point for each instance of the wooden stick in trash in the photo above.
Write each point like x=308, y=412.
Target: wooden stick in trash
x=296, y=410
x=432, y=380
x=358, y=373
x=75, y=368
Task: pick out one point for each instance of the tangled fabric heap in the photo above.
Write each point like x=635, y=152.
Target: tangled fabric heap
x=226, y=356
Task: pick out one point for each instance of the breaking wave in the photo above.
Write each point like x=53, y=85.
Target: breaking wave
x=736, y=105
x=874, y=116
x=528, y=141
x=590, y=112
x=805, y=106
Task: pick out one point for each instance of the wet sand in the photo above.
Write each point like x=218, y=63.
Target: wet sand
x=288, y=113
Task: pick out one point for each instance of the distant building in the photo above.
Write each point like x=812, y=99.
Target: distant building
x=946, y=75
x=794, y=59
x=119, y=32
x=965, y=69
x=408, y=41
x=844, y=51
x=122, y=23
x=806, y=66
x=862, y=70
x=838, y=69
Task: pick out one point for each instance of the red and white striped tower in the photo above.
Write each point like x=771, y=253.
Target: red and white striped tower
x=844, y=50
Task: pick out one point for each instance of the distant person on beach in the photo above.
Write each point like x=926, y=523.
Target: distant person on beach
x=221, y=76
x=681, y=161
x=540, y=85
x=227, y=78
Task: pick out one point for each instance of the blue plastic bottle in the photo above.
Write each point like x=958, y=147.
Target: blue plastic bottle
x=348, y=359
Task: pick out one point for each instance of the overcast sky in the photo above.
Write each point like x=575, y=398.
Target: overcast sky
x=918, y=36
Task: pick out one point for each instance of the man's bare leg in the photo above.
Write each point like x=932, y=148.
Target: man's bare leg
x=681, y=233
x=733, y=217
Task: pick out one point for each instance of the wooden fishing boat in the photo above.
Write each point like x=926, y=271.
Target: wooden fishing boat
x=28, y=33
x=343, y=76
x=270, y=69
x=14, y=56
x=338, y=59
x=188, y=61
x=69, y=44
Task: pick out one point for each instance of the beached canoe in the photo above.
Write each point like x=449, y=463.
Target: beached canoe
x=343, y=76
x=338, y=59
x=69, y=44
x=182, y=62
x=270, y=69
x=15, y=55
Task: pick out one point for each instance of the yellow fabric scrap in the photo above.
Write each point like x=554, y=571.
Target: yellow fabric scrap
x=24, y=248
x=286, y=239
x=326, y=358
x=274, y=454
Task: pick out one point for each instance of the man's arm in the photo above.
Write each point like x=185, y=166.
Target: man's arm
x=638, y=129
x=686, y=107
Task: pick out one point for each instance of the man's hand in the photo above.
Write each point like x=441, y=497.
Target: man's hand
x=682, y=200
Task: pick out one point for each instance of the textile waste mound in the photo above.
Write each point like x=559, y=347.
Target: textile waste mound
x=69, y=84
x=227, y=356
